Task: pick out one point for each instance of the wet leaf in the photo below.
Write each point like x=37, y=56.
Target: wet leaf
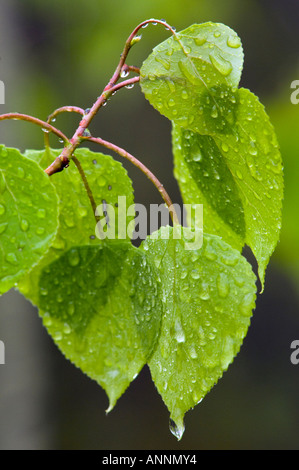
x=101, y=305
x=108, y=180
x=28, y=216
x=237, y=177
x=208, y=296
x=191, y=78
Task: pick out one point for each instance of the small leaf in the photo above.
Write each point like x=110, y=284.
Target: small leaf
x=28, y=215
x=107, y=179
x=191, y=77
x=237, y=177
x=208, y=297
x=101, y=306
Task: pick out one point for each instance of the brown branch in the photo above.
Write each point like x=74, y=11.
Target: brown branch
x=44, y=125
x=86, y=185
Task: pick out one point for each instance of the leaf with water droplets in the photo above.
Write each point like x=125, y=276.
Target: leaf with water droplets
x=28, y=215
x=207, y=305
x=191, y=77
x=101, y=306
x=112, y=191
x=237, y=177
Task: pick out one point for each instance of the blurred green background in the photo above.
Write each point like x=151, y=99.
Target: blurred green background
x=63, y=52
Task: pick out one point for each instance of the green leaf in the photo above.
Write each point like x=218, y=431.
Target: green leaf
x=108, y=180
x=191, y=77
x=28, y=215
x=237, y=177
x=208, y=297
x=101, y=306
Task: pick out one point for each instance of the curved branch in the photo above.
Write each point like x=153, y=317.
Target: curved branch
x=62, y=109
x=44, y=125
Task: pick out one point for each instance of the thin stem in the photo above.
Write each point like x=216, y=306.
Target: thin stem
x=125, y=83
x=86, y=185
x=44, y=125
x=143, y=168
x=63, y=109
x=52, y=116
x=65, y=156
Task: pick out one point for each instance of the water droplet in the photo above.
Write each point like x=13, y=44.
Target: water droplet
x=176, y=430
x=164, y=62
x=217, y=34
x=210, y=254
x=179, y=332
x=247, y=304
x=20, y=172
x=195, y=274
x=171, y=86
x=197, y=399
x=185, y=95
x=200, y=41
x=3, y=227
x=2, y=209
x=253, y=150
x=223, y=285
x=214, y=113
x=82, y=211
x=40, y=231
x=171, y=102
x=12, y=259
x=184, y=274
x=71, y=308
x=130, y=86
x=188, y=72
x=239, y=174
x=223, y=66
x=196, y=156
x=69, y=221
x=24, y=225
x=192, y=353
x=204, y=294
x=43, y=291
x=124, y=73
x=57, y=336
x=73, y=257
x=225, y=147
x=41, y=213
x=230, y=259
x=233, y=42
x=67, y=329
x=47, y=319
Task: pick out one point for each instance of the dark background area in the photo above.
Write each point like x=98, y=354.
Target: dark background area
x=64, y=52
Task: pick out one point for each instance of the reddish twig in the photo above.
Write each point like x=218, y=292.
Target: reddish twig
x=44, y=125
